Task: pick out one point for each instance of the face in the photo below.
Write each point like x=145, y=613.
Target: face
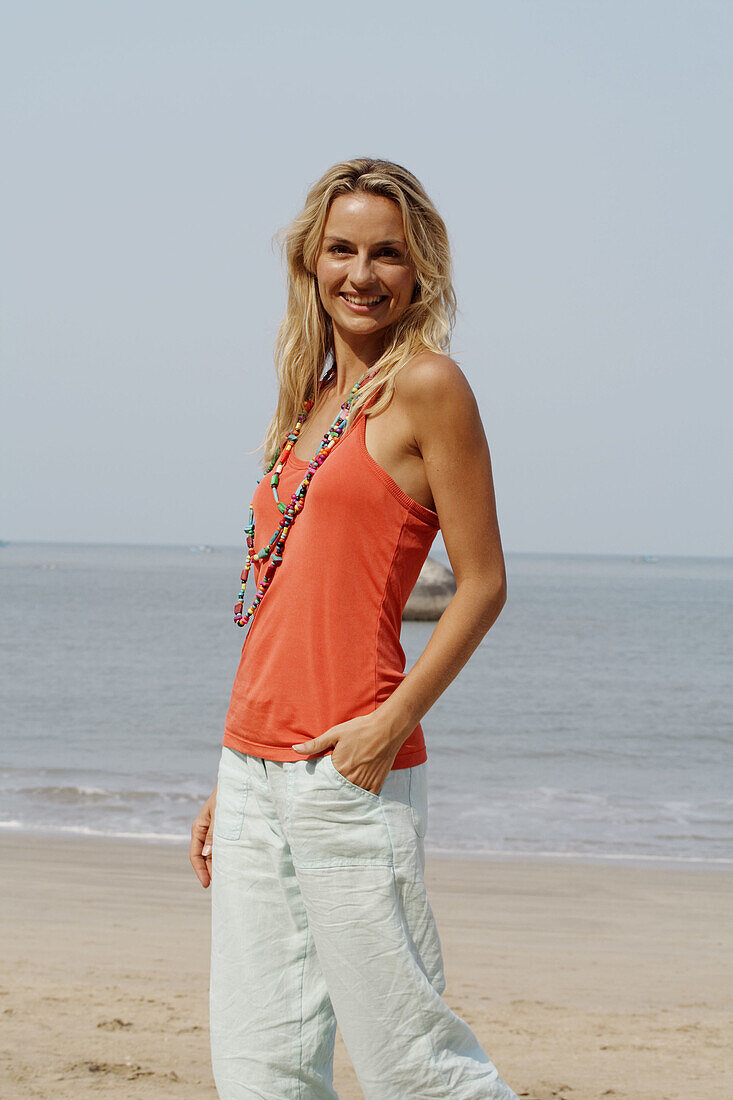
x=365, y=276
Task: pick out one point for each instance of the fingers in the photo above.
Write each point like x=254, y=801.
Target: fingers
x=318, y=744
x=200, y=851
x=202, y=867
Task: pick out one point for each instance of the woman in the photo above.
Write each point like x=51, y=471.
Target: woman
x=313, y=838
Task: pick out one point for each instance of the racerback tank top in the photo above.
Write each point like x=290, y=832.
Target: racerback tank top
x=324, y=643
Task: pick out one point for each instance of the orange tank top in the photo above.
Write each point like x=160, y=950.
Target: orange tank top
x=324, y=644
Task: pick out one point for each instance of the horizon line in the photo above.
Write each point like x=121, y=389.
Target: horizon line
x=195, y=546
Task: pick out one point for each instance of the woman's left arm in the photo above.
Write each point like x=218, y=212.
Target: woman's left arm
x=447, y=428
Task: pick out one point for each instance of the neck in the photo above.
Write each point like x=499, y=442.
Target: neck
x=354, y=355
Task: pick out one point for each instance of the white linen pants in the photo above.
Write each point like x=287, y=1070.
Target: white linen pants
x=320, y=915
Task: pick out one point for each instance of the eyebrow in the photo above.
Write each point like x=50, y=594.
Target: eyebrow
x=378, y=244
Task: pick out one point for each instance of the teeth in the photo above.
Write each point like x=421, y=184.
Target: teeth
x=362, y=301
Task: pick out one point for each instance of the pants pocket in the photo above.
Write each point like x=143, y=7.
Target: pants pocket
x=347, y=782
x=334, y=823
x=231, y=798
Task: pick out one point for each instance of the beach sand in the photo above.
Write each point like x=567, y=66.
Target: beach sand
x=581, y=980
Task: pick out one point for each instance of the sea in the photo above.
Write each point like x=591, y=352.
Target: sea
x=593, y=722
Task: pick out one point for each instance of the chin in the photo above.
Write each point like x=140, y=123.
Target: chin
x=347, y=317
x=359, y=324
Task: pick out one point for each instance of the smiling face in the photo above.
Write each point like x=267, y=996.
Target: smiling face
x=365, y=276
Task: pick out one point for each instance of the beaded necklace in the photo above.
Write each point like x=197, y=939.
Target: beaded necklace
x=274, y=548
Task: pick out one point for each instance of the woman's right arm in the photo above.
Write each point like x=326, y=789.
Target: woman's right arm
x=201, y=840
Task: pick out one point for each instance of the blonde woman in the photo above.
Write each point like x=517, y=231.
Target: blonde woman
x=313, y=837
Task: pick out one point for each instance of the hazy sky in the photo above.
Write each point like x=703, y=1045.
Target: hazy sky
x=579, y=152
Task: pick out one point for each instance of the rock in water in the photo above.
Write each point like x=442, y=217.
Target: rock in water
x=433, y=591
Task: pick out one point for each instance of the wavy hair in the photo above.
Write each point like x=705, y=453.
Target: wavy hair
x=304, y=342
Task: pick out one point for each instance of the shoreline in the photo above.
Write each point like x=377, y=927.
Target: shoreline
x=581, y=981
x=621, y=859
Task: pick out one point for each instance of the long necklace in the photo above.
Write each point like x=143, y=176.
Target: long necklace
x=274, y=548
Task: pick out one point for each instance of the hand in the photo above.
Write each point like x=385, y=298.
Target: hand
x=364, y=750
x=202, y=839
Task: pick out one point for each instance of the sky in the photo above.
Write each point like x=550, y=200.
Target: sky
x=579, y=153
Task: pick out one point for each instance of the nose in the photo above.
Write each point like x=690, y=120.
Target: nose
x=361, y=274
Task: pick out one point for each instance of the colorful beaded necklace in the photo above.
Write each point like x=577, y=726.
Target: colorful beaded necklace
x=274, y=548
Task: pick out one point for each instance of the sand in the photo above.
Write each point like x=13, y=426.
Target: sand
x=581, y=980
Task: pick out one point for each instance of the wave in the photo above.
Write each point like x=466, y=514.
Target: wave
x=87, y=830
x=97, y=795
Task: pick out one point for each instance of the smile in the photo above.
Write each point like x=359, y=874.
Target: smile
x=363, y=304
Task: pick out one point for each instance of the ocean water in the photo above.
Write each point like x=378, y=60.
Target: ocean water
x=595, y=720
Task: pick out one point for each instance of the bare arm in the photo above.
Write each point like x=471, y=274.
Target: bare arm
x=448, y=430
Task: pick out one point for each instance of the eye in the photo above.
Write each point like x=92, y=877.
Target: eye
x=390, y=253
x=338, y=248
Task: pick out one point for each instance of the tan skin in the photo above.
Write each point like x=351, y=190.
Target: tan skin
x=431, y=441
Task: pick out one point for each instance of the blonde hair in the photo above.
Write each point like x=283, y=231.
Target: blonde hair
x=305, y=337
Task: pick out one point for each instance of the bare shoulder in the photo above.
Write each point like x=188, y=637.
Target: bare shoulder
x=431, y=374
x=436, y=395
